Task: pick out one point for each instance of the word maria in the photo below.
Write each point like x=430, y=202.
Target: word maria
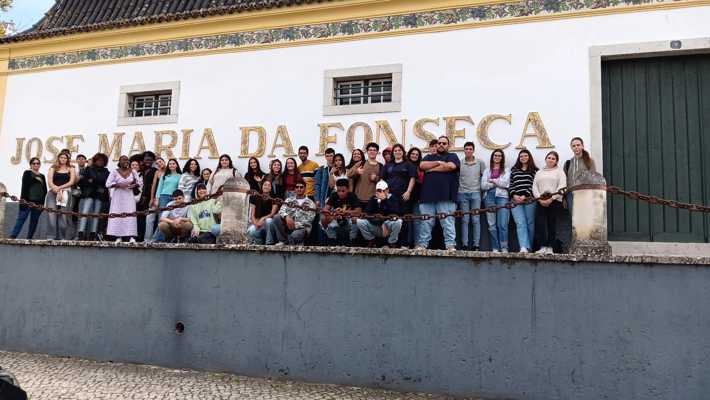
x=178, y=144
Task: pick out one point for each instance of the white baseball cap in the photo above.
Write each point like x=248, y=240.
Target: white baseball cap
x=381, y=185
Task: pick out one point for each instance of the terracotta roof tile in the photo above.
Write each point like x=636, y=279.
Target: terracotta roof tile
x=74, y=16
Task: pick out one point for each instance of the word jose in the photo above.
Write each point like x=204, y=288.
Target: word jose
x=253, y=139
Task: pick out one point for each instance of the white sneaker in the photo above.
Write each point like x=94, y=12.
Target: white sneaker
x=118, y=240
x=524, y=250
x=420, y=248
x=496, y=251
x=504, y=250
x=451, y=248
x=550, y=251
x=543, y=250
x=132, y=240
x=278, y=244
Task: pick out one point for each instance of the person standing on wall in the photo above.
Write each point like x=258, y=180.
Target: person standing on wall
x=307, y=169
x=357, y=160
x=168, y=183
x=521, y=182
x=147, y=174
x=225, y=171
x=414, y=156
x=189, y=178
x=94, y=196
x=276, y=177
x=494, y=184
x=34, y=189
x=469, y=196
x=439, y=193
x=366, y=175
x=254, y=174
x=548, y=180
x=61, y=177
x=292, y=224
x=337, y=172
x=322, y=177
x=291, y=176
x=81, y=165
x=122, y=182
x=401, y=176
x=576, y=167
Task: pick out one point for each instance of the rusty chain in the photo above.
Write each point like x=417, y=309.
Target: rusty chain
x=341, y=214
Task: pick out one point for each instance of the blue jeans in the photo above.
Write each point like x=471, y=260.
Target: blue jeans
x=163, y=200
x=497, y=221
x=468, y=202
x=448, y=224
x=260, y=235
x=370, y=231
x=331, y=231
x=524, y=217
x=22, y=215
x=87, y=206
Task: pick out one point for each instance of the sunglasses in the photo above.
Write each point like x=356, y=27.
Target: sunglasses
x=300, y=187
x=444, y=143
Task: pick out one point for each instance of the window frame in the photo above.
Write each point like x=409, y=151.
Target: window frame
x=129, y=93
x=366, y=75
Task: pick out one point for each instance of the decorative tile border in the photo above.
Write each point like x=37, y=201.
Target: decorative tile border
x=333, y=30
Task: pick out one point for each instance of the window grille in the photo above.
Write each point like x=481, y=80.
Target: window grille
x=149, y=105
x=365, y=91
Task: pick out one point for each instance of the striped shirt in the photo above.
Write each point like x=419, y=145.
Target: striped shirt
x=521, y=182
x=307, y=170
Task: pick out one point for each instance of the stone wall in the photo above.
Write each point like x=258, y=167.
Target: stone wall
x=512, y=326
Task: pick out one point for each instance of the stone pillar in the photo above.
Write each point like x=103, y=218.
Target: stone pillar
x=589, y=226
x=3, y=233
x=235, y=213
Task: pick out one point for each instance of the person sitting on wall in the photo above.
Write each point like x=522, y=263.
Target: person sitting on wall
x=292, y=224
x=205, y=228
x=343, y=231
x=175, y=224
x=261, y=216
x=386, y=204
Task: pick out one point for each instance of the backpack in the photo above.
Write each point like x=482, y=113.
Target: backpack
x=10, y=388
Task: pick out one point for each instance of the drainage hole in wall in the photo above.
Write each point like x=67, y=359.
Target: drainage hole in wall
x=179, y=328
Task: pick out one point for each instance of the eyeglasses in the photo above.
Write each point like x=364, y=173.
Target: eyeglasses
x=300, y=187
x=444, y=143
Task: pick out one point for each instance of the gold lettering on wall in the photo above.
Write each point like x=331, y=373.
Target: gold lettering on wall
x=17, y=158
x=70, y=139
x=161, y=148
x=114, y=147
x=208, y=143
x=137, y=145
x=28, y=150
x=482, y=131
x=282, y=134
x=325, y=138
x=539, y=132
x=404, y=132
x=51, y=148
x=383, y=128
x=452, y=133
x=246, y=136
x=350, y=138
x=421, y=132
x=185, y=148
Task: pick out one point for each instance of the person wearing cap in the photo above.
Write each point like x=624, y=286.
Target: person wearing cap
x=205, y=228
x=386, y=204
x=341, y=231
x=439, y=193
x=293, y=223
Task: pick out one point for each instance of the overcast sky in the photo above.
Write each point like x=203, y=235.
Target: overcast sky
x=26, y=12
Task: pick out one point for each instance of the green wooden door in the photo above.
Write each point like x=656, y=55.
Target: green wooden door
x=656, y=136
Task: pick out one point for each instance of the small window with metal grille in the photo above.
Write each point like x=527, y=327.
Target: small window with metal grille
x=149, y=105
x=364, y=91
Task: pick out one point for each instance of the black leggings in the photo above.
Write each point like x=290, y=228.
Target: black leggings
x=546, y=223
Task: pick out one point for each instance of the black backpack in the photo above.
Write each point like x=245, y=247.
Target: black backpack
x=10, y=388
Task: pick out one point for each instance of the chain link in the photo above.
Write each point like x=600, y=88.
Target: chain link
x=341, y=214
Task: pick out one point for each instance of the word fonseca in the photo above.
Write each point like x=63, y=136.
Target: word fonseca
x=253, y=139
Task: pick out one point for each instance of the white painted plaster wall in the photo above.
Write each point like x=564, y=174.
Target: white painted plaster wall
x=515, y=69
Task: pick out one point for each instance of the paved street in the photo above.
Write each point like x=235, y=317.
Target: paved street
x=54, y=378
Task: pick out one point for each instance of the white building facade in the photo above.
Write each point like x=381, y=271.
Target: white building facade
x=264, y=82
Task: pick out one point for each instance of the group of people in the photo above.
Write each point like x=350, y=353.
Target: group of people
x=401, y=182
